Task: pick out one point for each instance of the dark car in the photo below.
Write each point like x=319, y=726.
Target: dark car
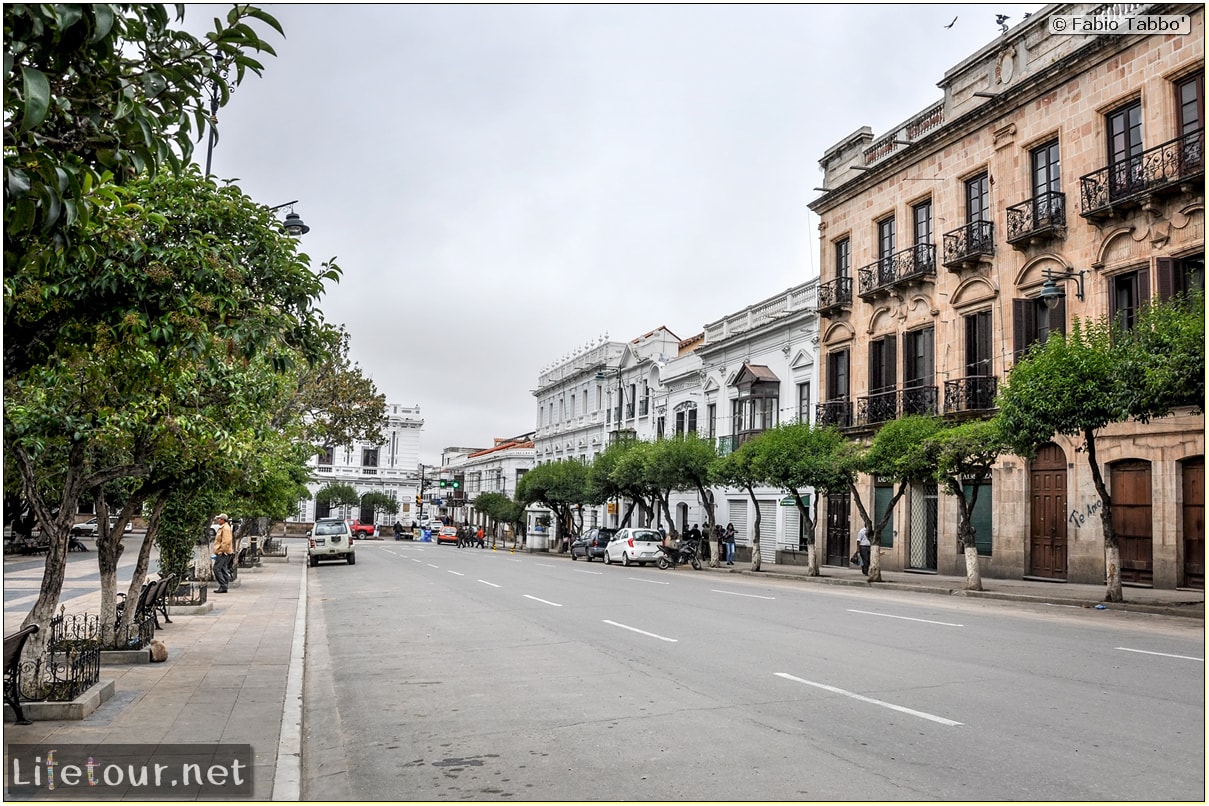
x=591, y=544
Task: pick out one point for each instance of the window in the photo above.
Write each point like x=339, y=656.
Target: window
x=882, y=361
x=369, y=457
x=659, y=427
x=326, y=455
x=686, y=421
x=978, y=199
x=804, y=402
x=843, y=255
x=1125, y=167
x=1190, y=103
x=1128, y=292
x=978, y=344
x=980, y=517
x=712, y=413
x=1180, y=275
x=918, y=362
x=921, y=215
x=1047, y=176
x=885, y=251
x=837, y=375
x=1033, y=321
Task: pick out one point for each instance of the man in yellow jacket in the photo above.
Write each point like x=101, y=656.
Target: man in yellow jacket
x=224, y=553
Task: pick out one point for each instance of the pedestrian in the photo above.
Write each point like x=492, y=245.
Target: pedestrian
x=224, y=553
x=694, y=533
x=863, y=549
x=398, y=531
x=728, y=537
x=479, y=536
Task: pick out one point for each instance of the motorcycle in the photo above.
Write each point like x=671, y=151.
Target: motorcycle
x=685, y=553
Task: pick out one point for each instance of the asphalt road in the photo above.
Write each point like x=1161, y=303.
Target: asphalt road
x=438, y=673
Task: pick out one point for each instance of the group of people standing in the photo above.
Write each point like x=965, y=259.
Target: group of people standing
x=468, y=535
x=725, y=536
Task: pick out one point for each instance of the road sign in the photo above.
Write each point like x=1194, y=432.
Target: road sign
x=788, y=501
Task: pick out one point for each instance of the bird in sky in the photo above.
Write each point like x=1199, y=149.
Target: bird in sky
x=950, y=25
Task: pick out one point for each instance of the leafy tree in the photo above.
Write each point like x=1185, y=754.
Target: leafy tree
x=337, y=494
x=741, y=469
x=379, y=501
x=499, y=509
x=602, y=486
x=632, y=478
x=798, y=455
x=896, y=455
x=560, y=486
x=962, y=455
x=1163, y=358
x=679, y=463
x=1070, y=386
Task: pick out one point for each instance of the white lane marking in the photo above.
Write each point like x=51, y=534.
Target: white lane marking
x=748, y=595
x=863, y=698
x=414, y=560
x=543, y=601
x=641, y=632
x=430, y=565
x=586, y=571
x=458, y=573
x=650, y=581
x=906, y=618
x=492, y=584
x=547, y=565
x=1160, y=654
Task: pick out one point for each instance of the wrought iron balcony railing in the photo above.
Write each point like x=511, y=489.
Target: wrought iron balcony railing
x=834, y=412
x=834, y=295
x=971, y=393
x=1163, y=167
x=919, y=400
x=965, y=245
x=905, y=265
x=877, y=408
x=1040, y=217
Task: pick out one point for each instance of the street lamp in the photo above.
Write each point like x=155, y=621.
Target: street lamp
x=1051, y=294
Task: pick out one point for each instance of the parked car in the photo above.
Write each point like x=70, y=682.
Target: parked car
x=447, y=534
x=591, y=545
x=631, y=546
x=361, y=530
x=89, y=527
x=330, y=539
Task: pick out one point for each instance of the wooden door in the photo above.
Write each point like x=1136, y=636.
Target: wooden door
x=1047, y=530
x=1132, y=520
x=1193, y=521
x=838, y=549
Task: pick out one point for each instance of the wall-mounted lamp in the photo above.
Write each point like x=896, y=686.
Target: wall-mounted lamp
x=985, y=94
x=294, y=224
x=1051, y=294
x=823, y=190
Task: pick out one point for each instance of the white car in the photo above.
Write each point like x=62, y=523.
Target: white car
x=89, y=527
x=631, y=546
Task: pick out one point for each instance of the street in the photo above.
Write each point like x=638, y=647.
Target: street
x=438, y=673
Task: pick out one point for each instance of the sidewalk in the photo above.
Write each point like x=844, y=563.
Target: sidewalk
x=233, y=675
x=1180, y=602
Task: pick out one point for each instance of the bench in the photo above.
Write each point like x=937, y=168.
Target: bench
x=167, y=586
x=13, y=646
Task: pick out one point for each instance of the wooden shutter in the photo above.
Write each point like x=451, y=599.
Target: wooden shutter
x=1024, y=325
x=1165, y=277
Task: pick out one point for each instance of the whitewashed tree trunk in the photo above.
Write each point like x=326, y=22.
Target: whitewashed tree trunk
x=1112, y=562
x=973, y=570
x=202, y=565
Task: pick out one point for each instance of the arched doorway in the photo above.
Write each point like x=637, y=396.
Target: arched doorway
x=1132, y=519
x=1047, y=520
x=682, y=517
x=1192, y=483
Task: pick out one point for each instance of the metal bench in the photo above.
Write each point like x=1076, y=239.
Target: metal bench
x=13, y=646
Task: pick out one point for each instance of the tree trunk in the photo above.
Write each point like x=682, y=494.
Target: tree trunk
x=1112, y=551
x=812, y=557
x=965, y=533
x=202, y=565
x=755, y=534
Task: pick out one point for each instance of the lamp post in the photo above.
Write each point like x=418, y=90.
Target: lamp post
x=1051, y=294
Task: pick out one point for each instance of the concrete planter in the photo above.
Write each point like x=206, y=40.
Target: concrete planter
x=79, y=708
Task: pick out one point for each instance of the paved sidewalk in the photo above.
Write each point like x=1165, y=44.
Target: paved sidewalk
x=233, y=675
x=1180, y=602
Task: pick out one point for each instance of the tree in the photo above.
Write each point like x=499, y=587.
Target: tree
x=1163, y=357
x=337, y=494
x=632, y=479
x=961, y=457
x=560, y=486
x=797, y=455
x=1071, y=386
x=740, y=468
x=602, y=485
x=679, y=463
x=895, y=455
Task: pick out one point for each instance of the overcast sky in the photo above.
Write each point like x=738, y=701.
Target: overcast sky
x=503, y=184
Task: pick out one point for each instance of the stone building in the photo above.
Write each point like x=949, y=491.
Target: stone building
x=1068, y=163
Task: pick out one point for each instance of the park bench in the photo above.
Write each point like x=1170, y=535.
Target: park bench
x=167, y=586
x=13, y=646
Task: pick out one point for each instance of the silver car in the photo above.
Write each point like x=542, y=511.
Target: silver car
x=631, y=546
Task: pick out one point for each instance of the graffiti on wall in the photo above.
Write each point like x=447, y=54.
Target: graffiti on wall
x=1078, y=518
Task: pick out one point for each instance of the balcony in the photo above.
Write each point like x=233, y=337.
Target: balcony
x=971, y=393
x=877, y=408
x=837, y=413
x=1039, y=219
x=919, y=400
x=1175, y=166
x=966, y=247
x=910, y=265
x=835, y=296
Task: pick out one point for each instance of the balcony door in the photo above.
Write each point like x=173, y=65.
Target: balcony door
x=1125, y=149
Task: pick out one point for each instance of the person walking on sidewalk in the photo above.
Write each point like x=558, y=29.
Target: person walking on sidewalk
x=224, y=553
x=863, y=548
x=728, y=539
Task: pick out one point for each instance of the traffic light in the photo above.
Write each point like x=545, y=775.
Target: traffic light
x=456, y=483
x=419, y=499
x=443, y=482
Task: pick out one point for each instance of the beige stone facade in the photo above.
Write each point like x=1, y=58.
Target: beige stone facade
x=1072, y=158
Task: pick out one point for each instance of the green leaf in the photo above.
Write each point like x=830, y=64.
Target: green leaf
x=37, y=98
x=104, y=22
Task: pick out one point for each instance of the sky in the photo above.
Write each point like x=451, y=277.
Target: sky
x=504, y=184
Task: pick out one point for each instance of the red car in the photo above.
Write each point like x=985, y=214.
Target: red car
x=361, y=530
